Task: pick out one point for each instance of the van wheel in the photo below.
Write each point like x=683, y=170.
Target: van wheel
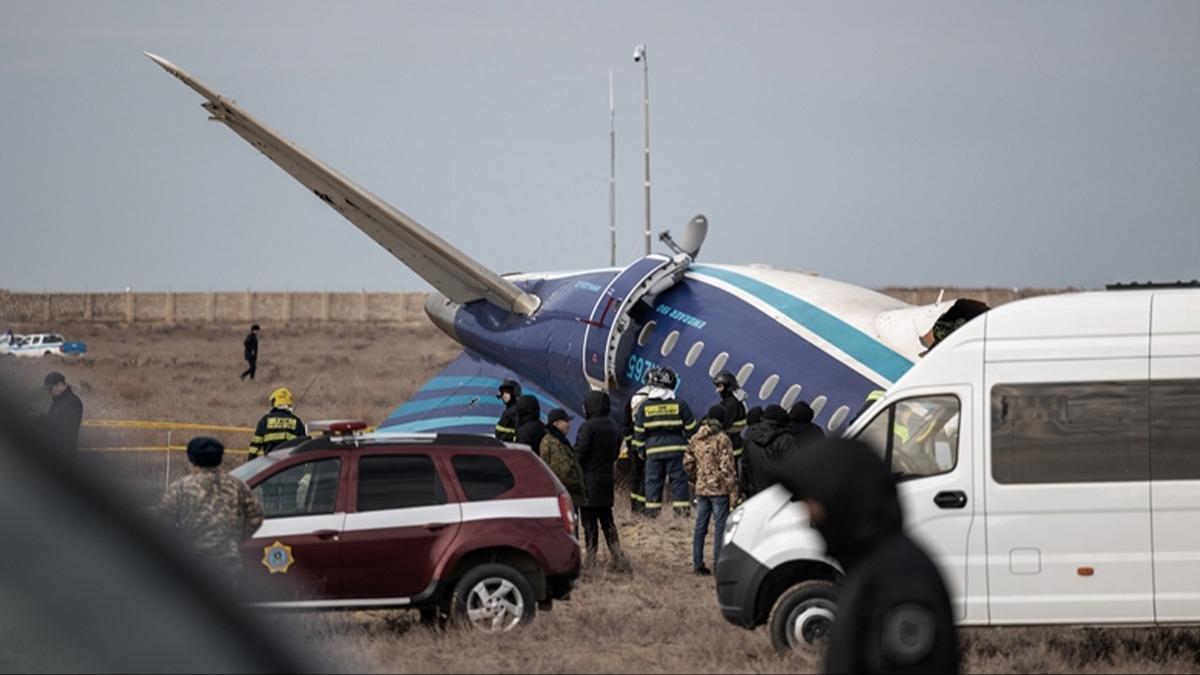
x=803, y=616
x=494, y=598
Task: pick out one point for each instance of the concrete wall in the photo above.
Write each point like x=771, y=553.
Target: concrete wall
x=214, y=307
x=305, y=306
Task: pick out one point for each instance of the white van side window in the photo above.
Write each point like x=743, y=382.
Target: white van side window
x=1175, y=430
x=917, y=437
x=1078, y=432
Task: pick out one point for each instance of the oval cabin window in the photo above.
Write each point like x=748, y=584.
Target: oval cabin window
x=644, y=336
x=768, y=387
x=718, y=364
x=669, y=343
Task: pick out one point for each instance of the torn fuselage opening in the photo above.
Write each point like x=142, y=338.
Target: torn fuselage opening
x=962, y=311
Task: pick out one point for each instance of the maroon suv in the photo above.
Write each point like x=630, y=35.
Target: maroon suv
x=458, y=526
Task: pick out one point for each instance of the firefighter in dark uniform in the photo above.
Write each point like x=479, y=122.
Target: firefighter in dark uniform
x=894, y=613
x=661, y=429
x=637, y=462
x=735, y=411
x=506, y=428
x=278, y=426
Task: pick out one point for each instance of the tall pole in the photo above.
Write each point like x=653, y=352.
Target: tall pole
x=612, y=174
x=639, y=56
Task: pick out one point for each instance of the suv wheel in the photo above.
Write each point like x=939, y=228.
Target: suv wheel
x=494, y=598
x=803, y=616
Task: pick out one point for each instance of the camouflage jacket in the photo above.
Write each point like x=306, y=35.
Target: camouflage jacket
x=213, y=512
x=709, y=460
x=557, y=453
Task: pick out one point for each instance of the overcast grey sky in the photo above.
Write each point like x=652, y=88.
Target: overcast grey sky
x=1002, y=143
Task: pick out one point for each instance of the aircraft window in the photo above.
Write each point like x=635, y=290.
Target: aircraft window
x=839, y=416
x=768, y=387
x=669, y=343
x=744, y=374
x=693, y=354
x=718, y=364
x=818, y=404
x=644, y=336
x=790, y=397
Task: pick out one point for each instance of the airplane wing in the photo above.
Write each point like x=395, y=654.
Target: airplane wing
x=449, y=270
x=461, y=398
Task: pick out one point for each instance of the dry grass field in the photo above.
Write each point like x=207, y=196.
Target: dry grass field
x=659, y=619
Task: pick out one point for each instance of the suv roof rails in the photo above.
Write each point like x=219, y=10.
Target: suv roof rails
x=376, y=438
x=1145, y=285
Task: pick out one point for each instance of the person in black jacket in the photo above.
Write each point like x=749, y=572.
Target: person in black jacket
x=597, y=445
x=754, y=416
x=530, y=429
x=806, y=433
x=894, y=613
x=250, y=351
x=770, y=447
x=66, y=412
x=727, y=387
x=506, y=427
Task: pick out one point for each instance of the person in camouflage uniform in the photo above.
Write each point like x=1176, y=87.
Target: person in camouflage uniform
x=557, y=453
x=212, y=511
x=709, y=461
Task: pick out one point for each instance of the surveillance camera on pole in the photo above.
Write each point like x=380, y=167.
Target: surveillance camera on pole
x=639, y=56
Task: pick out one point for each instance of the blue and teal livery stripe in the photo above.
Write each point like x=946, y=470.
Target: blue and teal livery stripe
x=435, y=423
x=855, y=343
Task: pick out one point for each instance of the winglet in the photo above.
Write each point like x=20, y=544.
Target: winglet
x=449, y=270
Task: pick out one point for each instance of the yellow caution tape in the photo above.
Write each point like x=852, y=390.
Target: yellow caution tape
x=156, y=448
x=163, y=426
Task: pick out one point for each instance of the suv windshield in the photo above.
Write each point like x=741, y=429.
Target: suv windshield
x=916, y=437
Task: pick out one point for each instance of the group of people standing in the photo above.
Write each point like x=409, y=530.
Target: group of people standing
x=729, y=454
x=585, y=468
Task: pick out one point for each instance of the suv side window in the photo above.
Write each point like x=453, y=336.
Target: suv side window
x=398, y=482
x=302, y=490
x=482, y=477
x=918, y=437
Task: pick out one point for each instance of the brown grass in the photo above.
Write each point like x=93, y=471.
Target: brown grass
x=660, y=619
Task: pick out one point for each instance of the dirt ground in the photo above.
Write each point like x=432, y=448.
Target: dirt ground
x=659, y=619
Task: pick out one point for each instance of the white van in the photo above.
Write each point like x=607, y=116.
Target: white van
x=1048, y=458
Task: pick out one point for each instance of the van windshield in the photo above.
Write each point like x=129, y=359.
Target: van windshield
x=917, y=437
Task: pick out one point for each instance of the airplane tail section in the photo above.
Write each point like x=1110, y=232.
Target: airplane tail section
x=449, y=270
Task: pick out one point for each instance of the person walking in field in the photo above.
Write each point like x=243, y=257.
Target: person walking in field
x=211, y=511
x=250, y=351
x=278, y=426
x=709, y=461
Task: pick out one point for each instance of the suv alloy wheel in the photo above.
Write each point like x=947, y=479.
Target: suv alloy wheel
x=494, y=598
